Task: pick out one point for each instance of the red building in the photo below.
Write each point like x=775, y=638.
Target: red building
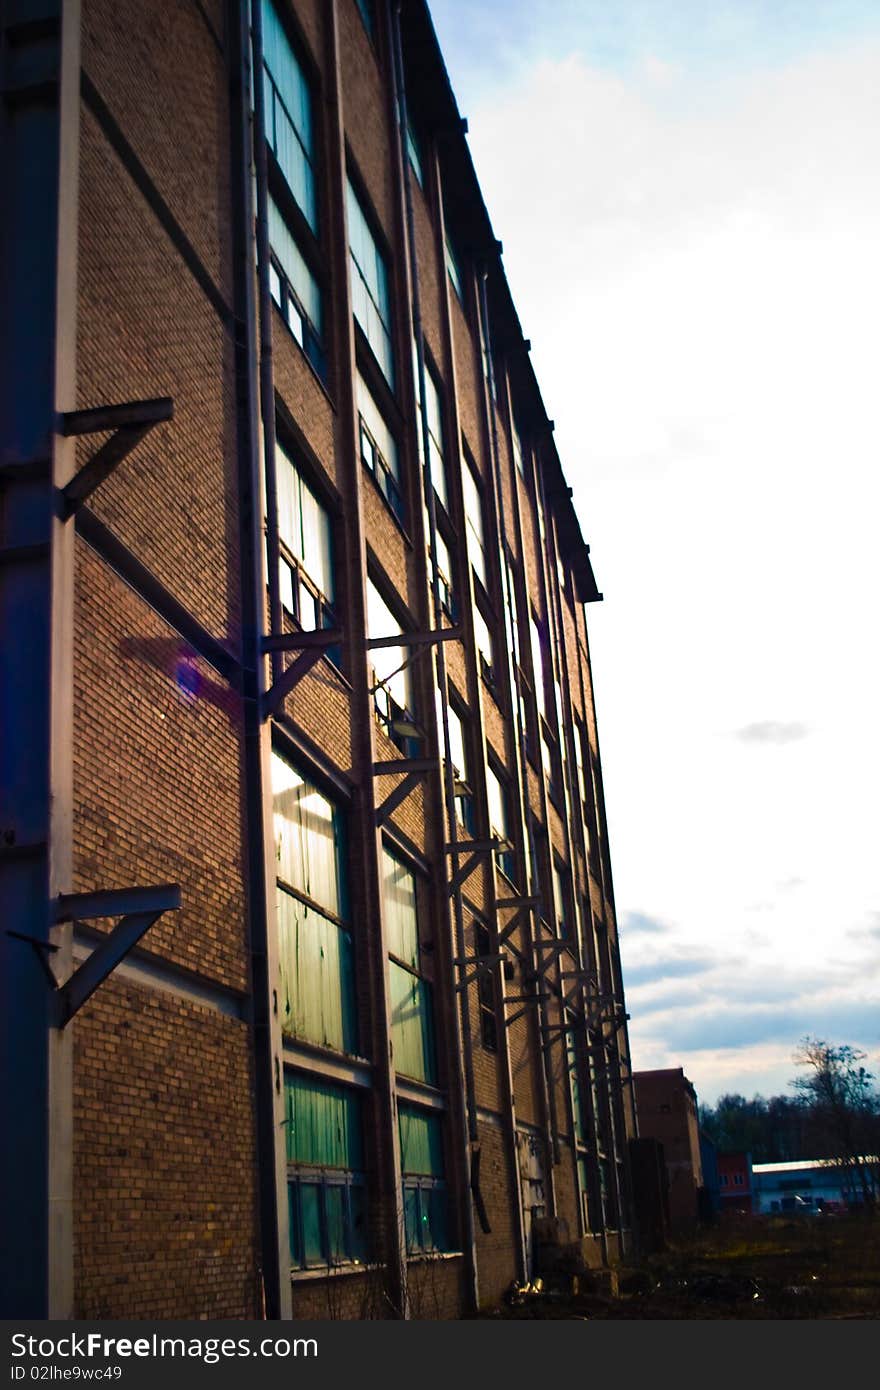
x=735, y=1182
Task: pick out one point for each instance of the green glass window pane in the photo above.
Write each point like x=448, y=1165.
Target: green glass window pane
x=411, y=1218
x=412, y=1030
x=334, y=1198
x=577, y=1100
x=452, y=266
x=293, y=1223
x=583, y=1175
x=309, y=839
x=304, y=525
x=370, y=299
x=437, y=1209
x=358, y=1234
x=473, y=515
x=300, y=278
x=375, y=423
x=399, y=900
x=288, y=112
x=413, y=147
x=421, y=1142
x=323, y=1124
x=386, y=661
x=316, y=996
x=310, y=1203
x=368, y=16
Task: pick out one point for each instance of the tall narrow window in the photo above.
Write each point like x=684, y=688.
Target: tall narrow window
x=295, y=290
x=424, y=1186
x=485, y=649
x=378, y=448
x=562, y=897
x=580, y=1124
x=326, y=1182
x=473, y=517
x=368, y=15
x=316, y=995
x=412, y=1007
x=307, y=585
x=289, y=129
x=517, y=449
x=453, y=269
x=486, y=987
x=370, y=295
x=444, y=574
x=391, y=677
x=435, y=429
x=458, y=747
x=538, y=666
x=414, y=153
x=487, y=364
x=290, y=137
x=499, y=821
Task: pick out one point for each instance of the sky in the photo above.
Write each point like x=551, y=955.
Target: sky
x=688, y=195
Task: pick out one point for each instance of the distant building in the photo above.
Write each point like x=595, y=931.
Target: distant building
x=807, y=1184
x=666, y=1107
x=735, y=1182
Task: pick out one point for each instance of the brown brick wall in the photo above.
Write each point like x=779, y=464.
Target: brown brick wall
x=164, y=1192
x=156, y=775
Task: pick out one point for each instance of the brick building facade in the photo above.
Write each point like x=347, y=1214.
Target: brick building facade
x=666, y=1104
x=313, y=997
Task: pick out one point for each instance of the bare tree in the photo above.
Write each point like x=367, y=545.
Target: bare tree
x=845, y=1106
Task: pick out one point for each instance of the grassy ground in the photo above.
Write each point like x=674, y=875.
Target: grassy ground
x=808, y=1267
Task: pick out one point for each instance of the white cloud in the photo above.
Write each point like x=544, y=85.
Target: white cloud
x=696, y=266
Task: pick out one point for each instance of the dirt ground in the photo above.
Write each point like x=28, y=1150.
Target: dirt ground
x=807, y=1267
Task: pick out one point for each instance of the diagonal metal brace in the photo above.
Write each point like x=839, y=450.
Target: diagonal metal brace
x=483, y=964
x=474, y=849
x=82, y=984
x=463, y=872
x=129, y=422
x=510, y=926
x=140, y=908
x=309, y=656
x=553, y=950
x=395, y=797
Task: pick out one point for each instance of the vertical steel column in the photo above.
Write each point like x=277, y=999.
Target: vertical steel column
x=614, y=953
x=366, y=839
x=39, y=111
x=264, y=298
x=585, y=686
x=520, y=758
x=559, y=659
x=475, y=683
x=463, y=1048
x=247, y=151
